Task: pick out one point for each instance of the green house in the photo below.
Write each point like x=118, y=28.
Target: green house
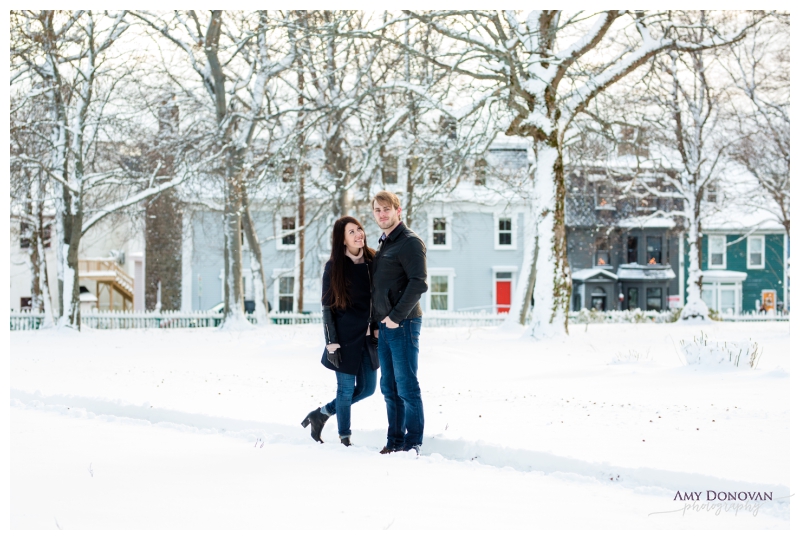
x=743, y=268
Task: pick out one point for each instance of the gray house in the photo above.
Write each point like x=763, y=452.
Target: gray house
x=620, y=256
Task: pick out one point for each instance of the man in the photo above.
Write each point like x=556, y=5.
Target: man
x=398, y=280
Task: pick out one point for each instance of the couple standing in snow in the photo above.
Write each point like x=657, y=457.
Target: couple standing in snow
x=372, y=318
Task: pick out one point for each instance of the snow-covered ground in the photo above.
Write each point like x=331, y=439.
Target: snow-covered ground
x=201, y=429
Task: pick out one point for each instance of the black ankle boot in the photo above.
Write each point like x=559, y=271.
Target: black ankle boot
x=346, y=441
x=317, y=420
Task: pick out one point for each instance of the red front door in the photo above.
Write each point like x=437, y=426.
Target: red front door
x=503, y=296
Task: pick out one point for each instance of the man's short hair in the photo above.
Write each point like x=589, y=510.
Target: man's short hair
x=386, y=197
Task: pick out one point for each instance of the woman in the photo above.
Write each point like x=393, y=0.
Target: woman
x=346, y=305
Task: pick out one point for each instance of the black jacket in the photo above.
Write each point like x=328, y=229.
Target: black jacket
x=399, y=276
x=348, y=327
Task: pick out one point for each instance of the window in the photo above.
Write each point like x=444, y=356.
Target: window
x=439, y=231
x=727, y=300
x=755, y=252
x=448, y=127
x=412, y=164
x=603, y=197
x=633, y=299
x=633, y=142
x=287, y=240
x=25, y=241
x=646, y=203
x=712, y=192
x=716, y=252
x=440, y=292
x=654, y=298
x=289, y=171
x=601, y=251
x=390, y=170
x=633, y=250
x=654, y=250
x=25, y=303
x=435, y=169
x=599, y=299
x=480, y=172
x=286, y=293
x=504, y=237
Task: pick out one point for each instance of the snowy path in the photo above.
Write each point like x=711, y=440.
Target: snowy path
x=531, y=442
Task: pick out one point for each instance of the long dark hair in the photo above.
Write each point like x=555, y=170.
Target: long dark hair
x=339, y=296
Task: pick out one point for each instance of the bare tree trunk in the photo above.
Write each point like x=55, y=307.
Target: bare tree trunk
x=234, y=293
x=301, y=191
x=301, y=239
x=408, y=211
x=256, y=265
x=523, y=313
x=695, y=307
x=546, y=255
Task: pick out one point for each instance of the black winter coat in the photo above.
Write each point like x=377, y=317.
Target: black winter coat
x=399, y=276
x=349, y=326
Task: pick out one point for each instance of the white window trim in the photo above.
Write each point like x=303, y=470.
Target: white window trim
x=718, y=287
x=763, y=252
x=279, y=245
x=497, y=217
x=448, y=245
x=724, y=264
x=495, y=270
x=278, y=273
x=450, y=273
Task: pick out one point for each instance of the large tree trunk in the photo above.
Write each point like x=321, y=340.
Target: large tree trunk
x=256, y=265
x=301, y=239
x=545, y=254
x=68, y=227
x=71, y=315
x=695, y=308
x=234, y=292
x=44, y=287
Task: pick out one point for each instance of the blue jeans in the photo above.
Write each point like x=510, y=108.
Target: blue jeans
x=351, y=389
x=398, y=352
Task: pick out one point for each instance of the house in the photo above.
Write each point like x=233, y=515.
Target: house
x=107, y=262
x=620, y=255
x=744, y=260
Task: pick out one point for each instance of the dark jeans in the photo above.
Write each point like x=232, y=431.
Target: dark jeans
x=398, y=352
x=351, y=389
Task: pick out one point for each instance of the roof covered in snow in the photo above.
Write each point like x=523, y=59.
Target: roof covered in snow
x=724, y=275
x=641, y=272
x=586, y=274
x=742, y=218
x=638, y=222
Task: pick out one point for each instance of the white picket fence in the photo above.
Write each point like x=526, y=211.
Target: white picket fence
x=108, y=320
x=754, y=316
x=105, y=320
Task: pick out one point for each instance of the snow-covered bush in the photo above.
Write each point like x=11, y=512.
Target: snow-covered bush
x=586, y=316
x=630, y=357
x=702, y=351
